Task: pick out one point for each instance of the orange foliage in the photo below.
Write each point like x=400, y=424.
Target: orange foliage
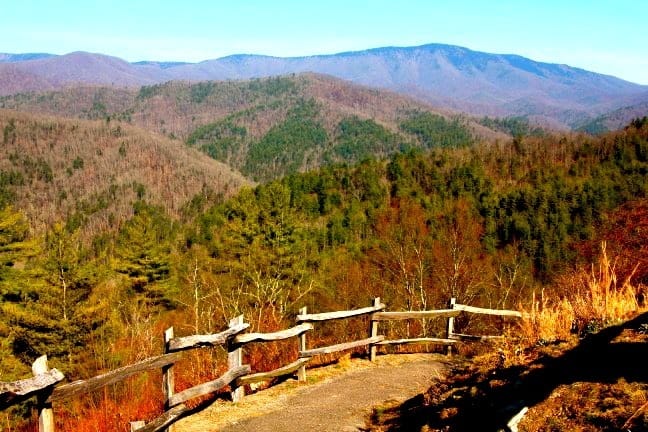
x=626, y=233
x=140, y=398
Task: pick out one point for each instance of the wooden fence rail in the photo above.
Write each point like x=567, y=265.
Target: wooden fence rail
x=276, y=336
x=341, y=347
x=45, y=382
x=484, y=311
x=327, y=316
x=74, y=388
x=195, y=341
x=209, y=387
x=395, y=316
x=279, y=372
x=423, y=340
x=14, y=392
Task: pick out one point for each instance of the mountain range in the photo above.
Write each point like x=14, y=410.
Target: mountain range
x=447, y=76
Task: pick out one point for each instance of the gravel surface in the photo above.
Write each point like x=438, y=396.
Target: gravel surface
x=339, y=403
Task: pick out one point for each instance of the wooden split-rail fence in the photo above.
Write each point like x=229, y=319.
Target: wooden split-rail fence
x=46, y=384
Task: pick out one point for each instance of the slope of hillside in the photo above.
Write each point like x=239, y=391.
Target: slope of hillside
x=269, y=127
x=297, y=125
x=456, y=77
x=14, y=79
x=91, y=172
x=615, y=119
x=178, y=107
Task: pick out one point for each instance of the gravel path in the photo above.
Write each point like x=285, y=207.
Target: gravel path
x=340, y=403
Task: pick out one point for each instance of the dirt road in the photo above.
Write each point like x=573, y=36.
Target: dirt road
x=340, y=402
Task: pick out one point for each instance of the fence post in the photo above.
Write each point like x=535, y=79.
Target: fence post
x=45, y=413
x=373, y=331
x=301, y=372
x=235, y=359
x=168, y=377
x=450, y=328
x=134, y=425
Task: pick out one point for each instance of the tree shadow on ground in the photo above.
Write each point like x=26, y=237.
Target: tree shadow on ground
x=485, y=407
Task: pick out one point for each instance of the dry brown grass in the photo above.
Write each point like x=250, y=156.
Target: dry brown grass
x=592, y=299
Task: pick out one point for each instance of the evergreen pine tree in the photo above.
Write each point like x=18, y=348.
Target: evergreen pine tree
x=143, y=254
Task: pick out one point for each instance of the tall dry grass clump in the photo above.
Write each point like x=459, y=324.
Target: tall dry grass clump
x=589, y=299
x=604, y=298
x=550, y=318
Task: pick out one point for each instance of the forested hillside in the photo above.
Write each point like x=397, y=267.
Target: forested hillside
x=614, y=120
x=178, y=107
x=271, y=127
x=88, y=173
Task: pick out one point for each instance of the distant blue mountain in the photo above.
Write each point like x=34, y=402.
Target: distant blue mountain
x=13, y=58
x=443, y=75
x=160, y=64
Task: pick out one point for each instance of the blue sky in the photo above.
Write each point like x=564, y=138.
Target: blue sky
x=599, y=35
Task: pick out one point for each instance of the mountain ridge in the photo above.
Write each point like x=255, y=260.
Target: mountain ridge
x=18, y=57
x=449, y=76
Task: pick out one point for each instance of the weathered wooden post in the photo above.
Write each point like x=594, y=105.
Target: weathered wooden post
x=301, y=372
x=235, y=359
x=373, y=331
x=45, y=413
x=168, y=377
x=450, y=328
x=135, y=425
